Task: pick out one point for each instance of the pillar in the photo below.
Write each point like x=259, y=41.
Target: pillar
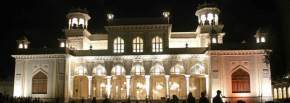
x=128, y=78
x=187, y=83
x=90, y=85
x=108, y=87
x=167, y=86
x=147, y=80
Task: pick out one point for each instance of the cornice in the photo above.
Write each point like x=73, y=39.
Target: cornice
x=138, y=27
x=236, y=52
x=41, y=56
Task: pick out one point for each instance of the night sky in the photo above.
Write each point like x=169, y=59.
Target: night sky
x=42, y=21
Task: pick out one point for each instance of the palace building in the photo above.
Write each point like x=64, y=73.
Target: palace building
x=142, y=58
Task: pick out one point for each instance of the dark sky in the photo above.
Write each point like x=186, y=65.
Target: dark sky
x=42, y=22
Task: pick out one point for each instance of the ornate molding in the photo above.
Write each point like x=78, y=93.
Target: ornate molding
x=133, y=57
x=41, y=56
x=138, y=27
x=236, y=52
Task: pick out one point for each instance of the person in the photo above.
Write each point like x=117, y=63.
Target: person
x=174, y=99
x=217, y=98
x=203, y=99
x=190, y=98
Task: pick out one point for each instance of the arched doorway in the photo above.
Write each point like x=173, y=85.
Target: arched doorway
x=99, y=82
x=80, y=83
x=118, y=89
x=197, y=81
x=138, y=83
x=177, y=82
x=157, y=81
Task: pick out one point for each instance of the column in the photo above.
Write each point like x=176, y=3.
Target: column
x=90, y=85
x=167, y=86
x=147, y=80
x=128, y=78
x=187, y=83
x=108, y=87
x=207, y=83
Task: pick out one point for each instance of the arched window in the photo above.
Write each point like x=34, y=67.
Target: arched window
x=137, y=45
x=99, y=70
x=39, y=83
x=197, y=69
x=284, y=93
x=157, y=69
x=118, y=70
x=177, y=69
x=119, y=45
x=240, y=81
x=138, y=69
x=80, y=70
x=157, y=44
x=275, y=93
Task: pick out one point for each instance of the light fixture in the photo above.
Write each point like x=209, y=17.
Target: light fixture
x=110, y=16
x=166, y=14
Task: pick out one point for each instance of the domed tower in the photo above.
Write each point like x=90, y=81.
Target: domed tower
x=208, y=14
x=208, y=20
x=23, y=42
x=78, y=19
x=77, y=34
x=261, y=35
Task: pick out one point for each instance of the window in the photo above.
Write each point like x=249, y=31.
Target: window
x=39, y=83
x=157, y=69
x=80, y=70
x=157, y=44
x=177, y=69
x=99, y=70
x=137, y=45
x=198, y=68
x=118, y=70
x=240, y=82
x=118, y=45
x=138, y=69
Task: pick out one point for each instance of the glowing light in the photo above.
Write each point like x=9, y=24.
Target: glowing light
x=159, y=87
x=102, y=85
x=174, y=86
x=214, y=40
x=20, y=46
x=25, y=46
x=203, y=18
x=257, y=40
x=210, y=17
x=62, y=44
x=263, y=39
x=74, y=21
x=275, y=93
x=166, y=14
x=82, y=22
x=110, y=16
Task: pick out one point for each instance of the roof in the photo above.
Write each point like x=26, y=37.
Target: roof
x=138, y=21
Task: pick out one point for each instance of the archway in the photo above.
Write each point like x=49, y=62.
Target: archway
x=118, y=89
x=158, y=82
x=240, y=81
x=99, y=82
x=80, y=83
x=138, y=83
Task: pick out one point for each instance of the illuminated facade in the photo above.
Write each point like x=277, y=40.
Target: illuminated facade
x=142, y=59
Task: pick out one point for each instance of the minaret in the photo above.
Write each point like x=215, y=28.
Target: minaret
x=209, y=29
x=261, y=36
x=78, y=19
x=77, y=33
x=208, y=14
